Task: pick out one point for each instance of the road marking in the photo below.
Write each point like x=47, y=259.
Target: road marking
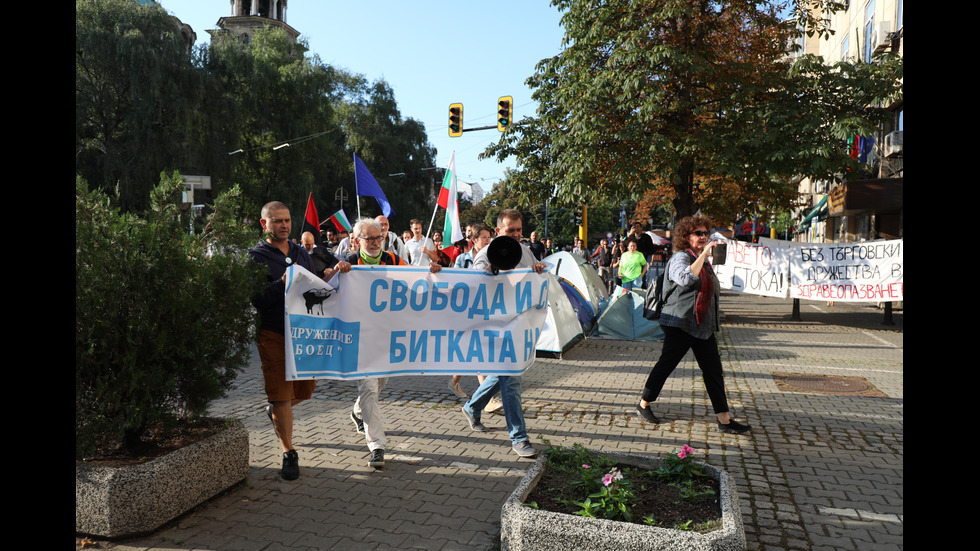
x=881, y=340
x=863, y=515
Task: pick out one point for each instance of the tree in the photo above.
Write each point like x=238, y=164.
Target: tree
x=688, y=101
x=135, y=92
x=146, y=102
x=283, y=118
x=163, y=319
x=389, y=144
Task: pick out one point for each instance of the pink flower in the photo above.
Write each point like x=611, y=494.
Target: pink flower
x=687, y=449
x=607, y=480
x=586, y=467
x=682, y=454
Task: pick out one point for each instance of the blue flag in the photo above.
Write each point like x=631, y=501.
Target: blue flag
x=367, y=186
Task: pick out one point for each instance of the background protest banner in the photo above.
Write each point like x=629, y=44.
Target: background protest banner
x=850, y=272
x=756, y=269
x=384, y=321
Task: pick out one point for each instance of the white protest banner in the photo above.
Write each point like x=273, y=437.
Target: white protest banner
x=385, y=321
x=848, y=272
x=755, y=269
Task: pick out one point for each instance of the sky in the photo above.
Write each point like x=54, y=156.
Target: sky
x=431, y=52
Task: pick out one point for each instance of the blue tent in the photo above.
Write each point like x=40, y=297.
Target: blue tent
x=623, y=318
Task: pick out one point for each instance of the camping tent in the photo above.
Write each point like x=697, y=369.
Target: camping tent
x=561, y=327
x=583, y=308
x=623, y=318
x=582, y=277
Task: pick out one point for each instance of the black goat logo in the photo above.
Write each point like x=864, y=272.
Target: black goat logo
x=315, y=297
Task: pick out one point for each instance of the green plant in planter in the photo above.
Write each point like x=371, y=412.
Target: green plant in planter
x=163, y=322
x=612, y=501
x=588, y=483
x=681, y=472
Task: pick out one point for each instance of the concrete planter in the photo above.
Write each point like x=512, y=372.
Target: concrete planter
x=115, y=502
x=526, y=529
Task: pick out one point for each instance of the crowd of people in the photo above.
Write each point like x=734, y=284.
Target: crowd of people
x=371, y=242
x=622, y=261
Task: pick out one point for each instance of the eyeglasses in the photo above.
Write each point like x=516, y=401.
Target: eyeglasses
x=372, y=239
x=699, y=233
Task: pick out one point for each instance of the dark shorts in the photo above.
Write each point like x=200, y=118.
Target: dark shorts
x=272, y=352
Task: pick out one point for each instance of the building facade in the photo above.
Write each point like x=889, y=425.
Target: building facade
x=872, y=207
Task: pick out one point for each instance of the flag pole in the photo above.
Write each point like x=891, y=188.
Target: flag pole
x=357, y=198
x=433, y=220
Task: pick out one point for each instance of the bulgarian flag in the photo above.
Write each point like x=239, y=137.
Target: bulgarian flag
x=449, y=200
x=339, y=220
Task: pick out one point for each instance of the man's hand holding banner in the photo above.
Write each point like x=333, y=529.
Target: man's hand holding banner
x=385, y=321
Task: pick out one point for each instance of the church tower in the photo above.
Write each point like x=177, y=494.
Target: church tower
x=247, y=16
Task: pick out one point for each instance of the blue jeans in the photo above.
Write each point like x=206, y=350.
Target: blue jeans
x=510, y=395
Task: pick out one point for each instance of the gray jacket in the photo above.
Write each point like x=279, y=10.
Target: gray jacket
x=678, y=311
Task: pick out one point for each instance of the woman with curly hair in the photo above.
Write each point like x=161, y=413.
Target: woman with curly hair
x=689, y=320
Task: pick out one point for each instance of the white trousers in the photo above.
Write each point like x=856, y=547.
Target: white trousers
x=367, y=408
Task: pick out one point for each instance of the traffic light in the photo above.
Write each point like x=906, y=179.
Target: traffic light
x=504, y=115
x=578, y=216
x=455, y=120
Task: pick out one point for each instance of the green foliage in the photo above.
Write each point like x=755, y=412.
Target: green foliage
x=679, y=466
x=277, y=97
x=573, y=461
x=389, y=144
x=136, y=94
x=162, y=327
x=589, y=484
x=146, y=102
x=612, y=501
x=692, y=101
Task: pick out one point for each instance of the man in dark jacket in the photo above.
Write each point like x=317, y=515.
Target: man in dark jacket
x=323, y=259
x=277, y=253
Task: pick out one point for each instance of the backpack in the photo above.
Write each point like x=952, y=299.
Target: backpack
x=654, y=302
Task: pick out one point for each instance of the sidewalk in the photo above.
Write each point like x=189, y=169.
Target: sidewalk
x=820, y=470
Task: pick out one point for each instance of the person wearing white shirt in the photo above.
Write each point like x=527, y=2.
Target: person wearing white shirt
x=414, y=245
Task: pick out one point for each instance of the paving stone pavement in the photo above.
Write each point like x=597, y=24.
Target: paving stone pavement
x=819, y=471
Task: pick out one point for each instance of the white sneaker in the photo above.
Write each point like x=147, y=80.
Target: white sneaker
x=495, y=404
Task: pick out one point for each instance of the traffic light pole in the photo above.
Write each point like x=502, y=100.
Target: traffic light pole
x=504, y=117
x=480, y=128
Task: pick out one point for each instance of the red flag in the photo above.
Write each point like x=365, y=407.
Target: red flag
x=311, y=221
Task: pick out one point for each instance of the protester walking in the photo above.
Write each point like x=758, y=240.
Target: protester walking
x=689, y=320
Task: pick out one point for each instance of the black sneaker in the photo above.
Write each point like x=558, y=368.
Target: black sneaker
x=647, y=415
x=290, y=465
x=734, y=427
x=474, y=422
x=377, y=459
x=358, y=423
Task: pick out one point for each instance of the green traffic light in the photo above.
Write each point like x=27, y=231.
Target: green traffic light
x=503, y=114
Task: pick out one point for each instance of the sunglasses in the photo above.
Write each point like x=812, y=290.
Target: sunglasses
x=699, y=233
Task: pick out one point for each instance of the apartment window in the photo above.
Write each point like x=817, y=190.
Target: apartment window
x=844, y=47
x=869, y=30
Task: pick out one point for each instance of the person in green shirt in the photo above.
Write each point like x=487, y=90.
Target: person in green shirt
x=632, y=265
